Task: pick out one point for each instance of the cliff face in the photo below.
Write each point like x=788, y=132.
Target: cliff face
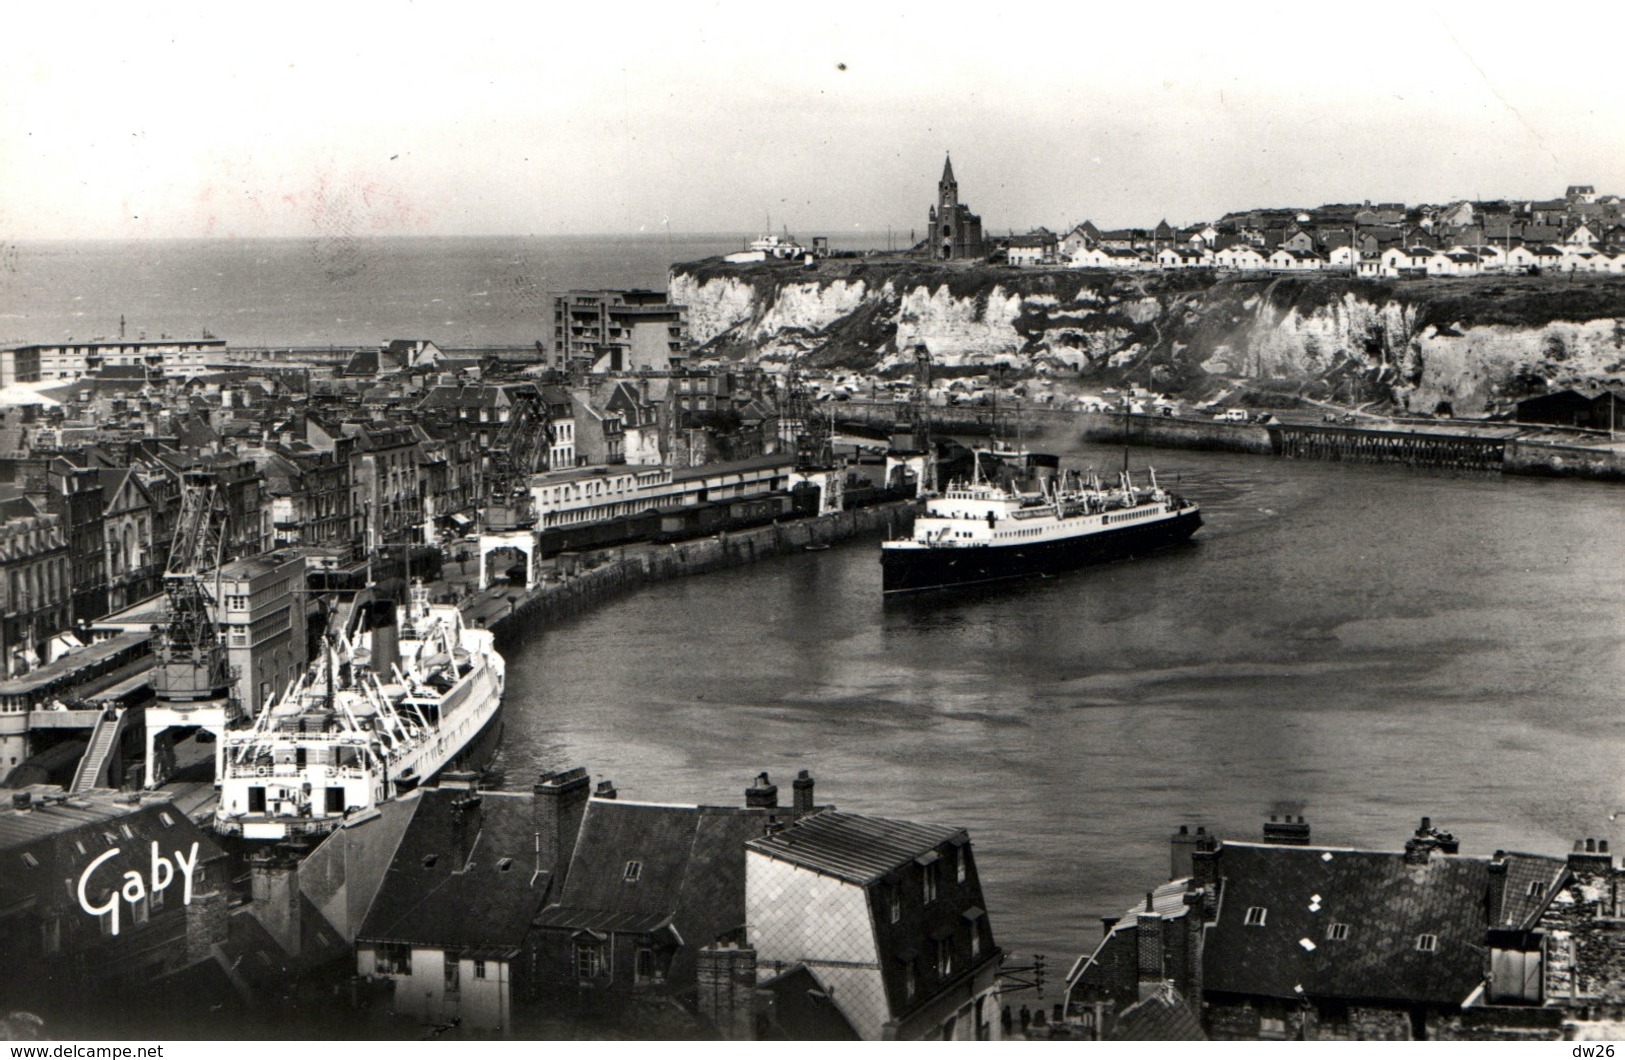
x=1417, y=343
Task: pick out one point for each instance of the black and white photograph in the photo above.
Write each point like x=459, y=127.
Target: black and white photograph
x=715, y=521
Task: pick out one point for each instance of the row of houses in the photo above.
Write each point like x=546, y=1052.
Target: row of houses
x=1287, y=939
x=501, y=913
x=1418, y=260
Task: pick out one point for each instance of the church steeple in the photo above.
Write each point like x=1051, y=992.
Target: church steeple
x=947, y=187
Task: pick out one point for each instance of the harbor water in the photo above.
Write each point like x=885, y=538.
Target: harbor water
x=1360, y=645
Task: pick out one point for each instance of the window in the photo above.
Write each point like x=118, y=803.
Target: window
x=1537, y=889
x=452, y=976
x=1255, y=916
x=960, y=859
x=975, y=942
x=928, y=882
x=30, y=860
x=643, y=965
x=945, y=957
x=479, y=969
x=634, y=869
x=1338, y=932
x=393, y=958
x=909, y=983
x=589, y=959
x=894, y=902
x=1427, y=943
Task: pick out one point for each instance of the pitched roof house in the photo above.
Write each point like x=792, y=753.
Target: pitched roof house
x=887, y=917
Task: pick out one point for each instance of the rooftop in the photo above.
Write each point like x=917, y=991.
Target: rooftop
x=857, y=849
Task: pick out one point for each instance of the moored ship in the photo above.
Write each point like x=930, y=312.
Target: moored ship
x=979, y=531
x=382, y=711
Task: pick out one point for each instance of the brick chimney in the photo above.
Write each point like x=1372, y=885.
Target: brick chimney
x=1428, y=839
x=1495, y=896
x=1591, y=856
x=726, y=977
x=802, y=794
x=763, y=794
x=558, y=802
x=1181, y=845
x=207, y=924
x=1287, y=831
x=1148, y=933
x=274, y=885
x=606, y=790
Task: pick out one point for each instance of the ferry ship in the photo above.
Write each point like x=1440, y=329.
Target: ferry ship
x=978, y=531
x=382, y=711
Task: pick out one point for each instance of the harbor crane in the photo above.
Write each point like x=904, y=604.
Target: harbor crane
x=192, y=679
x=508, y=509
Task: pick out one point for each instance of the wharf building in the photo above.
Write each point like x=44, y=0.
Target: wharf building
x=1290, y=939
x=631, y=331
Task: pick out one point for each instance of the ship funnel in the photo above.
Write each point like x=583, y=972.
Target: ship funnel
x=386, y=637
x=1042, y=471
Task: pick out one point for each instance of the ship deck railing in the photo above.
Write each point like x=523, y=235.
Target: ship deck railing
x=292, y=771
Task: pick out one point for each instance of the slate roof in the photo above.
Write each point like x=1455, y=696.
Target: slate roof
x=1387, y=906
x=688, y=858
x=849, y=847
x=46, y=847
x=803, y=1011
x=431, y=897
x=1162, y=1017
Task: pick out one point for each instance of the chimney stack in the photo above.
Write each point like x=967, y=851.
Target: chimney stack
x=763, y=794
x=1181, y=845
x=1591, y=856
x=558, y=802
x=22, y=801
x=802, y=793
x=274, y=886
x=1497, y=888
x=1148, y=933
x=606, y=790
x=1286, y=831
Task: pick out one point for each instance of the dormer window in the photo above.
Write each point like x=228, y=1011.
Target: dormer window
x=1255, y=916
x=1537, y=889
x=1427, y=943
x=634, y=870
x=1338, y=932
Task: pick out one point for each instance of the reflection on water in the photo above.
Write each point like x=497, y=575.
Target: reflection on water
x=1362, y=645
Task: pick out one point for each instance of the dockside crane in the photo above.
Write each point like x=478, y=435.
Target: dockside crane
x=508, y=510
x=192, y=679
x=512, y=458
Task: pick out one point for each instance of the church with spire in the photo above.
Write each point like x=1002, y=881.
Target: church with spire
x=955, y=233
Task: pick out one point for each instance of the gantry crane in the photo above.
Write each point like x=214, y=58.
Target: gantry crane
x=508, y=510
x=513, y=457
x=192, y=679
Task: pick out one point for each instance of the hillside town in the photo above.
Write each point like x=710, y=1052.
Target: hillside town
x=1582, y=232
x=200, y=544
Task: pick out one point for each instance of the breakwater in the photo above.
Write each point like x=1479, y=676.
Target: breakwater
x=588, y=578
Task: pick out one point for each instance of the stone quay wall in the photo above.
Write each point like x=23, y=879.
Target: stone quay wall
x=600, y=575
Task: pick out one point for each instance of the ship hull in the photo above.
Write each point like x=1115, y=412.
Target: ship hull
x=909, y=570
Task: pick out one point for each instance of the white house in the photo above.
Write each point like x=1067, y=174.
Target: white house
x=883, y=920
x=1243, y=256
x=1296, y=260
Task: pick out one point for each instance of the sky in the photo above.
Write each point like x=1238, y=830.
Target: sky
x=130, y=121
